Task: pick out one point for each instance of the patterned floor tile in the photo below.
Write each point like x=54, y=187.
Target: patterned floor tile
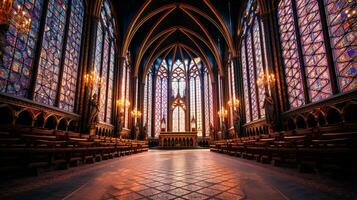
x=179, y=192
x=229, y=196
x=195, y=196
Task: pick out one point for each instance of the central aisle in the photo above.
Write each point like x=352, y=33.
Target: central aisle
x=189, y=174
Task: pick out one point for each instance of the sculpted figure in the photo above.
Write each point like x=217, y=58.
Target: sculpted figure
x=94, y=109
x=270, y=115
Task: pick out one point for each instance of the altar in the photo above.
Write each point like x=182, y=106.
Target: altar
x=178, y=139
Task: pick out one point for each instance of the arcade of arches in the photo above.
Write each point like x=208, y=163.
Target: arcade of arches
x=274, y=81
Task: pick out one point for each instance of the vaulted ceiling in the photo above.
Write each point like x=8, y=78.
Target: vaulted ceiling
x=152, y=29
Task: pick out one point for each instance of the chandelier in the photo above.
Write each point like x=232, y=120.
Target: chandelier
x=123, y=103
x=5, y=11
x=136, y=113
x=92, y=79
x=233, y=103
x=19, y=18
x=222, y=113
x=265, y=79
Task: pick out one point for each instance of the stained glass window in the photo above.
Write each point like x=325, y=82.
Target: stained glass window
x=178, y=119
x=71, y=63
x=56, y=78
x=313, y=49
x=104, y=62
x=104, y=77
x=254, y=61
x=259, y=65
x=195, y=96
x=51, y=52
x=342, y=28
x=245, y=84
x=290, y=54
x=208, y=101
x=178, y=78
x=98, y=55
x=252, y=78
x=147, y=110
x=127, y=97
x=183, y=79
x=110, y=83
x=161, y=97
x=17, y=66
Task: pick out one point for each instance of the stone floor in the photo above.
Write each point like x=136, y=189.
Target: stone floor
x=179, y=174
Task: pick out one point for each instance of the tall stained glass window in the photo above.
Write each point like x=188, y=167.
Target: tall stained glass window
x=341, y=21
x=253, y=57
x=259, y=65
x=290, y=54
x=104, y=63
x=180, y=91
x=208, y=101
x=245, y=83
x=161, y=97
x=313, y=49
x=17, y=66
x=51, y=53
x=195, y=95
x=56, y=78
x=71, y=62
x=148, y=97
x=306, y=51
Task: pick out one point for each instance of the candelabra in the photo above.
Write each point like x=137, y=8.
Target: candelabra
x=92, y=79
x=265, y=79
x=136, y=114
x=123, y=104
x=222, y=114
x=20, y=20
x=5, y=11
x=233, y=103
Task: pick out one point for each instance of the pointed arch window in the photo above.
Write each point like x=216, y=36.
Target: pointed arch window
x=161, y=96
x=182, y=93
x=195, y=94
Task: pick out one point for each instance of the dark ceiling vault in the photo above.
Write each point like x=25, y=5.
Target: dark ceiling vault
x=152, y=29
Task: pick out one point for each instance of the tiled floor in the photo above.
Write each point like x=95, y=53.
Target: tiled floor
x=185, y=174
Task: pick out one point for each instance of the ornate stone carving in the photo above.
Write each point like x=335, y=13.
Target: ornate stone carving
x=270, y=114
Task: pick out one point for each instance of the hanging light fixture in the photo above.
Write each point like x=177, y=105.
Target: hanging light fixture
x=5, y=11
x=233, y=103
x=21, y=20
x=222, y=113
x=136, y=113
